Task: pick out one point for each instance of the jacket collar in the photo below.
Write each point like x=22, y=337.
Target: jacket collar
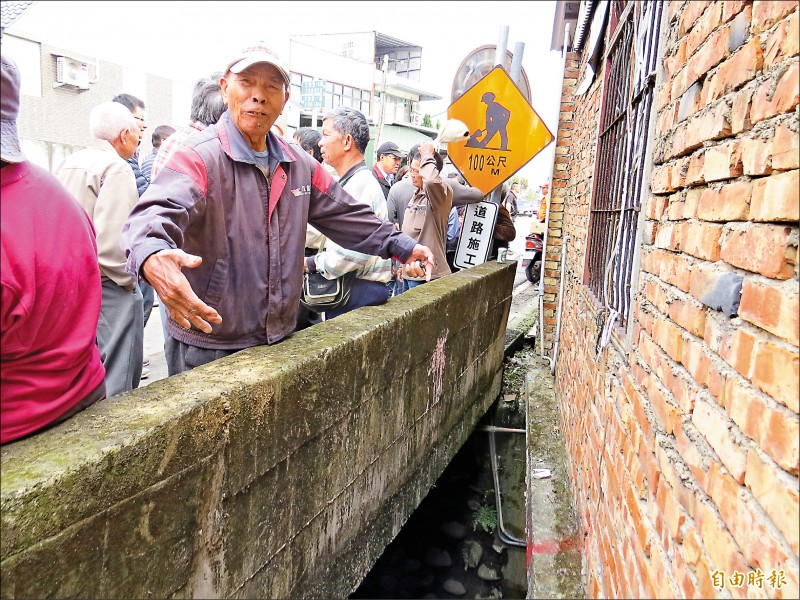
x=235, y=146
x=106, y=146
x=378, y=171
x=352, y=171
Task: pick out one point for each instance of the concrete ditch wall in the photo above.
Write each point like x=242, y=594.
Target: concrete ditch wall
x=281, y=471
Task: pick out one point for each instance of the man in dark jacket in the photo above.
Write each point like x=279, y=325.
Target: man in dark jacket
x=504, y=230
x=207, y=201
x=384, y=170
x=136, y=106
x=160, y=133
x=510, y=201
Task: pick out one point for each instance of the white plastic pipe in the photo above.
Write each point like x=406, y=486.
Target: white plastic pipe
x=516, y=62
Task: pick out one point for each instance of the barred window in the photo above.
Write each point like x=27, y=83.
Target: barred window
x=622, y=143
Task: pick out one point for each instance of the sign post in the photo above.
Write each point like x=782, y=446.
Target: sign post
x=506, y=133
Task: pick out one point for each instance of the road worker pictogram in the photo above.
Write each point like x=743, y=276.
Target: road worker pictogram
x=497, y=117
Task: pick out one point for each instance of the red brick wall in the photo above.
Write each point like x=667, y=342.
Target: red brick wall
x=572, y=181
x=684, y=432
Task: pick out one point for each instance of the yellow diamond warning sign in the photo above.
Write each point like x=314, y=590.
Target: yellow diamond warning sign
x=505, y=131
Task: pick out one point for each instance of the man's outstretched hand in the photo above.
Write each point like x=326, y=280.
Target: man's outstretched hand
x=163, y=271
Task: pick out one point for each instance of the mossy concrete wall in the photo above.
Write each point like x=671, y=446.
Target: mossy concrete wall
x=277, y=472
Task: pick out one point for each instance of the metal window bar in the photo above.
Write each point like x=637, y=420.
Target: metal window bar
x=621, y=152
x=641, y=103
x=611, y=151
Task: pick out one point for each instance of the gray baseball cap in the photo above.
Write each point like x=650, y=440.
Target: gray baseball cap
x=10, y=150
x=258, y=53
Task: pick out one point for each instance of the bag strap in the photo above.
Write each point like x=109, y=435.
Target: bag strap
x=347, y=177
x=342, y=182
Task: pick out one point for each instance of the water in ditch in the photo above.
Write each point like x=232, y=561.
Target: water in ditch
x=451, y=546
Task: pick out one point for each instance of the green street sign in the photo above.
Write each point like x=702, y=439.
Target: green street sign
x=312, y=94
x=308, y=102
x=315, y=87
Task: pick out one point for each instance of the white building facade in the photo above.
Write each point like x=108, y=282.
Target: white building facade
x=60, y=87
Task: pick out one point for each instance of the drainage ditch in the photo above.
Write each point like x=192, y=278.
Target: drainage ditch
x=465, y=540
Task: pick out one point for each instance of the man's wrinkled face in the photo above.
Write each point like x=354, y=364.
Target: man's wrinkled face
x=413, y=169
x=333, y=145
x=390, y=163
x=255, y=99
x=130, y=141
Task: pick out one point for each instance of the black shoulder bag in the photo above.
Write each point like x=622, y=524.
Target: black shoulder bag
x=319, y=293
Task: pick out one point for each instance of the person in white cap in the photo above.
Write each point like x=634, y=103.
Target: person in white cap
x=220, y=233
x=50, y=365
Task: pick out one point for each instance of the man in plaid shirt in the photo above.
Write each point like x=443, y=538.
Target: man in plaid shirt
x=207, y=107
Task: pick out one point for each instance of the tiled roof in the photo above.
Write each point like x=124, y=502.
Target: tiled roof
x=11, y=10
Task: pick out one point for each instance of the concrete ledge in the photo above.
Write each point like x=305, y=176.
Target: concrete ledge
x=280, y=471
x=523, y=315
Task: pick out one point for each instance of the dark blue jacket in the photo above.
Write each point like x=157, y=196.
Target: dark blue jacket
x=141, y=182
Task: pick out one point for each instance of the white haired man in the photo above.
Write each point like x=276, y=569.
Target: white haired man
x=104, y=185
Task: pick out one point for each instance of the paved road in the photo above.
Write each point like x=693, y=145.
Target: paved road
x=154, y=347
x=517, y=247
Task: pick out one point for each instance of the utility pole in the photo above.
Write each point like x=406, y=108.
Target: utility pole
x=500, y=60
x=381, y=118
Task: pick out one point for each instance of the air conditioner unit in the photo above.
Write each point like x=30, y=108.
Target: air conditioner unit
x=71, y=72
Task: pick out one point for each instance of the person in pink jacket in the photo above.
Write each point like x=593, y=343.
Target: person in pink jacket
x=50, y=366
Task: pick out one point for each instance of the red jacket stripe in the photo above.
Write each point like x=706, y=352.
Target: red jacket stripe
x=188, y=162
x=321, y=179
x=278, y=183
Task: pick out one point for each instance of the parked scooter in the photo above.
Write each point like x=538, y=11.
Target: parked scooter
x=532, y=258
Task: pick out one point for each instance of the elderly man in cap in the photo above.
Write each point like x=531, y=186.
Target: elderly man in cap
x=50, y=281
x=231, y=208
x=389, y=158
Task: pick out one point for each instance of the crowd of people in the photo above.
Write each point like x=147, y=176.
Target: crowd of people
x=177, y=228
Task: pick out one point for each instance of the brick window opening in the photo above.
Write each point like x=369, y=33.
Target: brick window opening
x=621, y=148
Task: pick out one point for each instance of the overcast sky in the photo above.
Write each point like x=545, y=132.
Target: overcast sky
x=183, y=40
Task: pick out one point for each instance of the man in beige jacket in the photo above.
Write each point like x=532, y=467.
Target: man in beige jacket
x=104, y=185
